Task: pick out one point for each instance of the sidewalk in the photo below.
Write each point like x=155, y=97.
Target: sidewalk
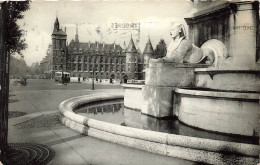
x=72, y=148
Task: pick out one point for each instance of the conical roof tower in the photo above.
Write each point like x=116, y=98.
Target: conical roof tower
x=131, y=46
x=148, y=50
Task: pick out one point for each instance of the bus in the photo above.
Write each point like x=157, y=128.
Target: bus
x=66, y=77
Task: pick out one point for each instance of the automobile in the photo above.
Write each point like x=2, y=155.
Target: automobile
x=58, y=77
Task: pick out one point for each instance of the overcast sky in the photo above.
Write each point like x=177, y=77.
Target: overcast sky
x=154, y=17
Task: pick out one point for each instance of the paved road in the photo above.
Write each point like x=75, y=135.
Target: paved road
x=45, y=95
x=48, y=84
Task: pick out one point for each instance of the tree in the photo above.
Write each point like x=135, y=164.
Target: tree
x=18, y=67
x=15, y=42
x=11, y=42
x=160, y=50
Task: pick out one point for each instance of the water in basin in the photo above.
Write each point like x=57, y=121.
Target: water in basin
x=114, y=112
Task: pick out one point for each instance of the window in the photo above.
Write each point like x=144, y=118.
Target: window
x=74, y=67
x=112, y=67
x=85, y=59
x=73, y=59
x=57, y=44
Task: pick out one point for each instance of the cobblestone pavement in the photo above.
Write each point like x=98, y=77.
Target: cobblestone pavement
x=13, y=114
x=48, y=120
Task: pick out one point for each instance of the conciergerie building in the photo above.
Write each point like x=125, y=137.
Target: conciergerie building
x=104, y=60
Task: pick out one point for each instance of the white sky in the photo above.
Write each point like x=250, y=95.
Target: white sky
x=155, y=18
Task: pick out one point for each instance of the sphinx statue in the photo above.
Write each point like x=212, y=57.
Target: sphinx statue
x=181, y=50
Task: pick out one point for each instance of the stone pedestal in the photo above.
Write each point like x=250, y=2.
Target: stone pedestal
x=170, y=75
x=160, y=79
x=157, y=101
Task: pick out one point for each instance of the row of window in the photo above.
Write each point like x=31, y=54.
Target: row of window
x=99, y=60
x=101, y=68
x=96, y=51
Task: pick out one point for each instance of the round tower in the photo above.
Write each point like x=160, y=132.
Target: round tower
x=131, y=60
x=148, y=53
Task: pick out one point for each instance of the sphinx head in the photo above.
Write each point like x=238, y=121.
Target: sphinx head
x=177, y=30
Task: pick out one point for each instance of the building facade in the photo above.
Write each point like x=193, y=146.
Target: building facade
x=95, y=60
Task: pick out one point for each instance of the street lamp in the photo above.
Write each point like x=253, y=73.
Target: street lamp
x=93, y=71
x=61, y=65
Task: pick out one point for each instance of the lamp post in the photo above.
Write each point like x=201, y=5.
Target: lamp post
x=61, y=65
x=93, y=71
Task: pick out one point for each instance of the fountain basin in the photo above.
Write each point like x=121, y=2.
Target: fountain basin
x=190, y=148
x=232, y=79
x=133, y=96
x=226, y=112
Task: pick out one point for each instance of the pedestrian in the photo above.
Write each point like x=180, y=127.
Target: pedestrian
x=78, y=78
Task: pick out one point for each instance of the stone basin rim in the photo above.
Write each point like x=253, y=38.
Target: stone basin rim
x=254, y=70
x=222, y=94
x=67, y=107
x=133, y=85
